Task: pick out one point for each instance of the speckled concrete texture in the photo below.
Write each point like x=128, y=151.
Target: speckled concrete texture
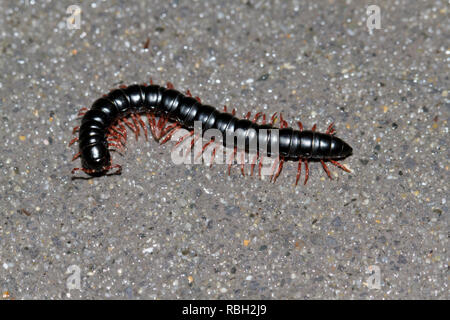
x=164, y=231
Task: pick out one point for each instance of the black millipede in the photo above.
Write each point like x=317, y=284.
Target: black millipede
x=103, y=129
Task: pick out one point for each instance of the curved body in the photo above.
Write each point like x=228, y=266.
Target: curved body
x=185, y=110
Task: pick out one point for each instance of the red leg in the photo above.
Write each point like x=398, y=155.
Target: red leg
x=330, y=129
x=130, y=125
x=299, y=170
x=188, y=93
x=75, y=129
x=283, y=123
x=300, y=125
x=169, y=85
x=142, y=123
x=136, y=125
x=248, y=115
x=280, y=167
x=82, y=111
x=314, y=128
x=275, y=163
x=273, y=118
x=115, y=147
x=306, y=171
x=213, y=154
x=122, y=129
x=162, y=123
x=73, y=141
x=264, y=118
x=183, y=138
x=260, y=165
x=123, y=86
x=170, y=134
x=114, y=166
x=337, y=164
x=193, y=141
x=152, y=122
x=204, y=148
x=231, y=161
x=117, y=133
x=326, y=169
x=243, y=163
x=255, y=119
x=76, y=156
x=88, y=171
x=255, y=159
x=151, y=81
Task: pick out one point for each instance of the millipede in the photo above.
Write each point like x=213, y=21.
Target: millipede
x=104, y=129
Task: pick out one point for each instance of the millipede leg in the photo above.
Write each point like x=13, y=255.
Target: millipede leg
x=326, y=169
x=283, y=123
x=144, y=127
x=116, y=132
x=151, y=121
x=115, y=147
x=299, y=170
x=136, y=125
x=76, y=156
x=337, y=164
x=314, y=127
x=254, y=160
x=170, y=133
x=131, y=126
x=123, y=86
x=272, y=172
x=114, y=166
x=242, y=154
x=203, y=149
x=183, y=138
x=116, y=143
x=260, y=165
x=73, y=141
x=75, y=129
x=169, y=85
x=264, y=118
x=300, y=125
x=162, y=121
x=248, y=115
x=188, y=93
x=306, y=171
x=193, y=141
x=256, y=117
x=88, y=171
x=330, y=129
x=280, y=167
x=273, y=118
x=231, y=160
x=82, y=111
x=213, y=153
x=123, y=130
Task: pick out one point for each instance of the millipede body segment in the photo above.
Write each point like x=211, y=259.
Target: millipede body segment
x=103, y=128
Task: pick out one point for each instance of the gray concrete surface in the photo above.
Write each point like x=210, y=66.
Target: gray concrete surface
x=163, y=231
